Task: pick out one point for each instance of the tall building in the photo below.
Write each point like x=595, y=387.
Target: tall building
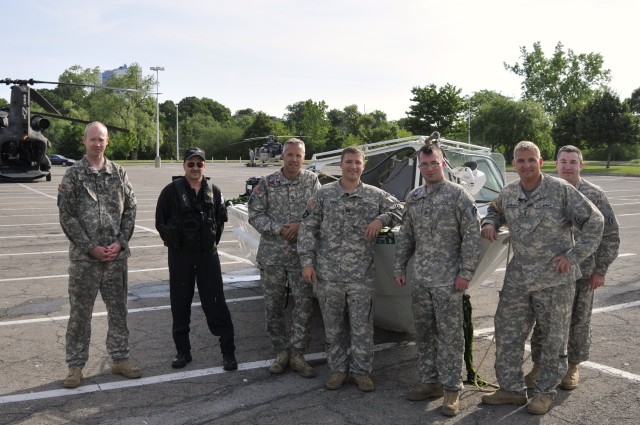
x=118, y=71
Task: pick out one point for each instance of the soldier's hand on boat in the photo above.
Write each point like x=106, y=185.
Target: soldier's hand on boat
x=309, y=275
x=461, y=284
x=489, y=232
x=562, y=263
x=401, y=280
x=373, y=229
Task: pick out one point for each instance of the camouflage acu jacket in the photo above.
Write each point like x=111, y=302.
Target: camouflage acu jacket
x=607, y=251
x=276, y=201
x=331, y=236
x=97, y=208
x=441, y=230
x=541, y=228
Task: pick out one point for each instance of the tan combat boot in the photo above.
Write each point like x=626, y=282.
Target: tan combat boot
x=571, y=379
x=504, y=397
x=300, y=365
x=540, y=404
x=73, y=378
x=424, y=391
x=336, y=380
x=126, y=369
x=531, y=377
x=364, y=383
x=280, y=363
x=451, y=403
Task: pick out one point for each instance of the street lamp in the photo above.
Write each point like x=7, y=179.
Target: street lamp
x=157, y=69
x=177, y=137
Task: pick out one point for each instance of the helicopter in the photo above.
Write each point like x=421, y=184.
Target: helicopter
x=23, y=147
x=268, y=152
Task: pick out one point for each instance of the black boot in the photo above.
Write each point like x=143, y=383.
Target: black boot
x=229, y=362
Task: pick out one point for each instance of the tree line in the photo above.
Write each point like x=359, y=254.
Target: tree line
x=565, y=99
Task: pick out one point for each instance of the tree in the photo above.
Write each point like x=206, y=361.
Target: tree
x=261, y=126
x=566, y=128
x=435, y=109
x=607, y=122
x=192, y=105
x=501, y=122
x=634, y=101
x=564, y=78
x=133, y=110
x=309, y=119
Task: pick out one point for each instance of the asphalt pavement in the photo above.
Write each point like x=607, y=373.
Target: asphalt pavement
x=34, y=309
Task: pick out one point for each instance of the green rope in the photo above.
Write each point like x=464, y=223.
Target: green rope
x=472, y=375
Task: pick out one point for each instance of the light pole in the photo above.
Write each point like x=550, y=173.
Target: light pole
x=177, y=137
x=157, y=69
x=468, y=120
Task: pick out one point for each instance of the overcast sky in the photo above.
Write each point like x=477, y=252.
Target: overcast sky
x=267, y=54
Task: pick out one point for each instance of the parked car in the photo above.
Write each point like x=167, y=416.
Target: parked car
x=60, y=160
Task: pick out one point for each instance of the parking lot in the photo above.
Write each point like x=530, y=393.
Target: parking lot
x=34, y=310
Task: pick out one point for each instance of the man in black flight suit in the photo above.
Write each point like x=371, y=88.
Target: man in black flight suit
x=190, y=217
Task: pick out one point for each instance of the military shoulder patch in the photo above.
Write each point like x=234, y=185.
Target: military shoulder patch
x=273, y=180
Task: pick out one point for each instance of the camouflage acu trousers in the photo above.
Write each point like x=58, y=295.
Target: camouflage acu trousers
x=347, y=313
x=275, y=281
x=438, y=319
x=86, y=278
x=517, y=309
x=579, y=336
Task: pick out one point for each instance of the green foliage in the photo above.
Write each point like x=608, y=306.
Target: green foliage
x=309, y=119
x=607, y=122
x=501, y=122
x=435, y=109
x=261, y=126
x=561, y=79
x=634, y=101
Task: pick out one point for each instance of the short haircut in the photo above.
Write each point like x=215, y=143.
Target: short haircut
x=351, y=149
x=570, y=149
x=431, y=148
x=95, y=123
x=293, y=141
x=525, y=145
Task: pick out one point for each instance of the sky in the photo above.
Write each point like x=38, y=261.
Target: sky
x=268, y=54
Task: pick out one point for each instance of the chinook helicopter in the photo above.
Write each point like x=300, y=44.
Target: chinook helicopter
x=23, y=147
x=269, y=152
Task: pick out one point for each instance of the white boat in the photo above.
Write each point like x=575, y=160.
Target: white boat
x=392, y=166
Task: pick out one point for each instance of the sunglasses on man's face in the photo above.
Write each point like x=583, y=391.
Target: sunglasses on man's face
x=194, y=164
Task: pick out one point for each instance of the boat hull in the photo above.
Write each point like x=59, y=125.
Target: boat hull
x=392, y=308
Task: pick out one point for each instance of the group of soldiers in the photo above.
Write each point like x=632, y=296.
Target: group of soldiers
x=564, y=236
x=563, y=231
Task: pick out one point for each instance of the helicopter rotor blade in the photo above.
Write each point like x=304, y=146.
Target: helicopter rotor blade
x=31, y=81
x=37, y=97
x=79, y=121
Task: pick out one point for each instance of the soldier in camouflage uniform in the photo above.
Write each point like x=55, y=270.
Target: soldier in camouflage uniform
x=336, y=242
x=441, y=231
x=541, y=212
x=593, y=269
x=275, y=210
x=97, y=213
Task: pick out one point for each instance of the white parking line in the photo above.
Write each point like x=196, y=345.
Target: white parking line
x=158, y=379
x=38, y=192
